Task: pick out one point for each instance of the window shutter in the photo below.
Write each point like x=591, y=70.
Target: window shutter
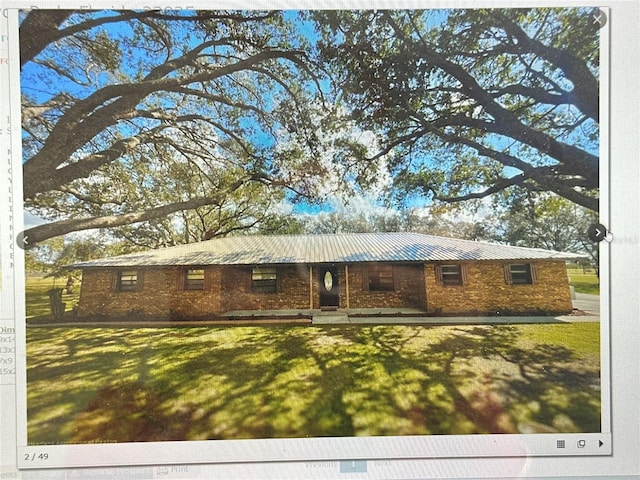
x=365, y=278
x=533, y=269
x=438, y=269
x=464, y=274
x=507, y=274
x=181, y=280
x=140, y=280
x=114, y=280
x=396, y=280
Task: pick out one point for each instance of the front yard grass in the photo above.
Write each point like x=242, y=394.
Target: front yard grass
x=37, y=295
x=196, y=383
x=584, y=282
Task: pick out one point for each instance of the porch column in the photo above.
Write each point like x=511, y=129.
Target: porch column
x=310, y=287
x=426, y=288
x=346, y=282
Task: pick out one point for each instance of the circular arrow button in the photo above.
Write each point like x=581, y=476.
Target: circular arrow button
x=597, y=232
x=22, y=241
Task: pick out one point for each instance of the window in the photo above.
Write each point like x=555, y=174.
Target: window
x=127, y=281
x=381, y=278
x=451, y=274
x=519, y=274
x=194, y=279
x=264, y=279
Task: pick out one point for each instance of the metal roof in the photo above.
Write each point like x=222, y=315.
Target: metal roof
x=333, y=248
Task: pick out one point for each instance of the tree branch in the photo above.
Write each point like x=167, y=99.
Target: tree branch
x=546, y=177
x=40, y=233
x=505, y=122
x=89, y=117
x=497, y=186
x=41, y=27
x=574, y=160
x=585, y=86
x=537, y=94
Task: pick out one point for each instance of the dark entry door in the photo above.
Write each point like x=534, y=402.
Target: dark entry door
x=328, y=285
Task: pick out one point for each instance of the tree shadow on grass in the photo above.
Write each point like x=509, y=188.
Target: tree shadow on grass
x=542, y=388
x=103, y=385
x=130, y=412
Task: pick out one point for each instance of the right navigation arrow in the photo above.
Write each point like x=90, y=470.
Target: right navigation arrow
x=597, y=232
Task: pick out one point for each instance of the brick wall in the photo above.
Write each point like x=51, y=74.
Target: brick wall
x=230, y=288
x=161, y=294
x=292, y=290
x=487, y=292
x=409, y=289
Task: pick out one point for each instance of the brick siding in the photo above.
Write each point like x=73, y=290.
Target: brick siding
x=161, y=294
x=487, y=292
x=409, y=288
x=292, y=291
x=227, y=288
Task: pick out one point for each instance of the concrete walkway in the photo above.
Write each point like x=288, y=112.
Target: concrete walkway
x=588, y=304
x=407, y=320
x=400, y=320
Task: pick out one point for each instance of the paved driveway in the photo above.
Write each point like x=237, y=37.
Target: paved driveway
x=587, y=303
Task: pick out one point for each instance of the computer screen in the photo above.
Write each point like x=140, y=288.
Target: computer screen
x=320, y=240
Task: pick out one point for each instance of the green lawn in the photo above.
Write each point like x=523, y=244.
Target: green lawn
x=584, y=282
x=37, y=296
x=151, y=384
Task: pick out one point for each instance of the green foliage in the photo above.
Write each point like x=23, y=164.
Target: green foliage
x=105, y=52
x=55, y=255
x=472, y=102
x=164, y=121
x=166, y=128
x=362, y=214
x=547, y=221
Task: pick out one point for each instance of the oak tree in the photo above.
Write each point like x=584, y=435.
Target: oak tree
x=138, y=117
x=473, y=102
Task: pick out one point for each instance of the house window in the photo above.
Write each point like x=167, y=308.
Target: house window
x=194, y=279
x=127, y=281
x=381, y=278
x=264, y=279
x=451, y=274
x=520, y=274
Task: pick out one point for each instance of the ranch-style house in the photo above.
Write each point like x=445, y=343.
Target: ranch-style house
x=345, y=272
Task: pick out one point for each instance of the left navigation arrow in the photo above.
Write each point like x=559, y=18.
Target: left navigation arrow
x=22, y=240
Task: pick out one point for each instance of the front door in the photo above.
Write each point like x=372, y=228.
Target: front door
x=328, y=286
